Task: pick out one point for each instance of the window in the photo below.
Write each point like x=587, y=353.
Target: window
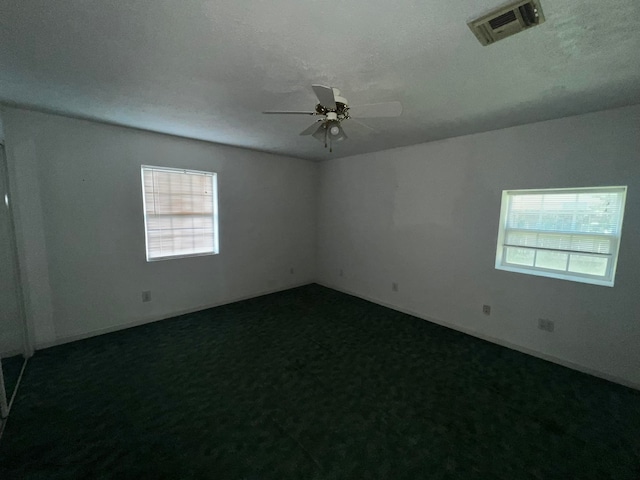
x=571, y=234
x=180, y=212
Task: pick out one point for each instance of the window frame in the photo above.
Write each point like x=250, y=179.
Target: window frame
x=606, y=280
x=214, y=213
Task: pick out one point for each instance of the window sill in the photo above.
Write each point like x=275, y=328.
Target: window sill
x=557, y=275
x=189, y=255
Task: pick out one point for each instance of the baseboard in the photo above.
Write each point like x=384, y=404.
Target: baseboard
x=488, y=338
x=144, y=321
x=11, y=353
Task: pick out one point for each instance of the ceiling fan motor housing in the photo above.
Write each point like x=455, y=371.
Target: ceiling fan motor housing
x=341, y=110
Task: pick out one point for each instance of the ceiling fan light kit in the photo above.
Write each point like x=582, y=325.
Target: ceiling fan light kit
x=335, y=109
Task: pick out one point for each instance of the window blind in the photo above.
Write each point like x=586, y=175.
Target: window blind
x=574, y=232
x=180, y=212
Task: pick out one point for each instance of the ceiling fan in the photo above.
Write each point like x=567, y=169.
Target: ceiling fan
x=335, y=109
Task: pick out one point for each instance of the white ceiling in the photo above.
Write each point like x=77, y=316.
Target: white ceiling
x=206, y=69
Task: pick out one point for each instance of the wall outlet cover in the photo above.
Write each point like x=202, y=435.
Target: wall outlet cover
x=546, y=325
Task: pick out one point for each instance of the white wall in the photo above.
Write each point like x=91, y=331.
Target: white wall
x=423, y=216
x=427, y=217
x=81, y=232
x=11, y=323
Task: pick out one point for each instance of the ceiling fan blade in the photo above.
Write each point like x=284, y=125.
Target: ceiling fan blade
x=343, y=135
x=371, y=110
x=325, y=95
x=310, y=130
x=289, y=113
x=361, y=124
x=321, y=133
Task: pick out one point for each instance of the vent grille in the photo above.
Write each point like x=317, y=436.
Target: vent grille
x=502, y=20
x=506, y=20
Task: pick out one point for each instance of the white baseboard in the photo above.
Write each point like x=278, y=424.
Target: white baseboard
x=11, y=353
x=144, y=321
x=498, y=341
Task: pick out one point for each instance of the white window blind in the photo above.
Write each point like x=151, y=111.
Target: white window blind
x=180, y=212
x=571, y=234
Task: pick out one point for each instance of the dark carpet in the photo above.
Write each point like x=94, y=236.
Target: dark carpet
x=312, y=384
x=11, y=367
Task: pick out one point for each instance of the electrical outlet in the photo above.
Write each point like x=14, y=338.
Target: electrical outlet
x=546, y=325
x=146, y=296
x=394, y=287
x=291, y=271
x=341, y=273
x=486, y=309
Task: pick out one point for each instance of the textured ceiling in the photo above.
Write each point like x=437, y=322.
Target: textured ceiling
x=206, y=69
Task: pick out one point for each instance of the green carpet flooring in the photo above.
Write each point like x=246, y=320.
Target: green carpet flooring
x=312, y=384
x=11, y=367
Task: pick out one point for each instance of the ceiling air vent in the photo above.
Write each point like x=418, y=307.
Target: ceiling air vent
x=506, y=20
